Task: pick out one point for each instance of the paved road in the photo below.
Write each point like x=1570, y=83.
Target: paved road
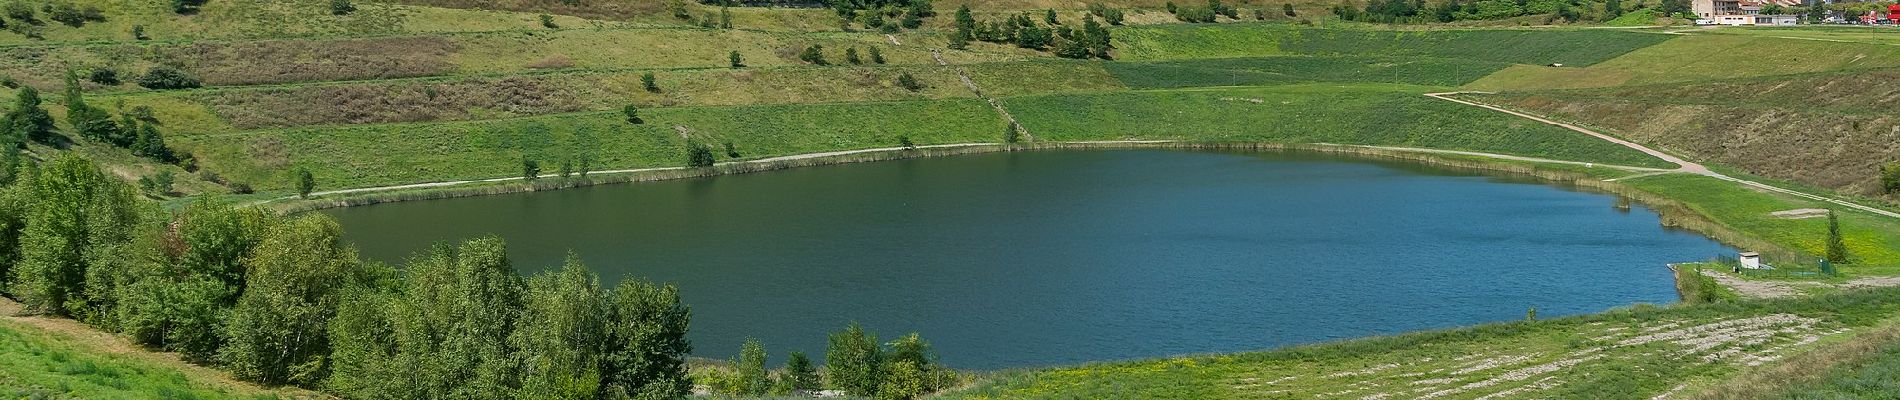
x=1684, y=166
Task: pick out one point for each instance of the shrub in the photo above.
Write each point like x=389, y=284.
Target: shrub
x=1890, y=178
x=731, y=152
x=187, y=6
x=904, y=142
x=851, y=56
x=909, y=82
x=1288, y=10
x=9, y=82
x=138, y=33
x=22, y=12
x=305, y=181
x=547, y=21
x=1836, y=248
x=647, y=81
x=341, y=7
x=104, y=76
x=877, y=57
x=68, y=14
x=240, y=188
x=814, y=54
x=800, y=375
x=734, y=59
x=753, y=378
x=633, y=114
x=164, y=77
x=26, y=119
x=698, y=155
x=276, y=332
x=530, y=170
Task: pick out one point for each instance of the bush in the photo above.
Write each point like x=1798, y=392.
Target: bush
x=647, y=81
x=305, y=182
x=698, y=155
x=22, y=12
x=731, y=152
x=164, y=77
x=277, y=331
x=341, y=7
x=240, y=188
x=735, y=60
x=530, y=170
x=753, y=378
x=187, y=6
x=138, y=33
x=814, y=54
x=547, y=21
x=854, y=361
x=800, y=375
x=1890, y=178
x=877, y=57
x=851, y=56
x=909, y=82
x=104, y=76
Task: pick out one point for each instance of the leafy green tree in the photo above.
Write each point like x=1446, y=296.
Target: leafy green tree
x=1095, y=38
x=800, y=375
x=698, y=155
x=1612, y=9
x=966, y=28
x=104, y=76
x=458, y=308
x=854, y=361
x=1836, y=248
x=851, y=56
x=753, y=378
x=567, y=168
x=563, y=334
x=633, y=114
x=530, y=170
x=27, y=119
x=306, y=182
x=176, y=294
x=903, y=381
x=647, y=355
x=78, y=212
x=735, y=60
x=648, y=81
x=277, y=331
x=1011, y=134
x=151, y=144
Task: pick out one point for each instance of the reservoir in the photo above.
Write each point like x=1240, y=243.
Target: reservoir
x=1043, y=258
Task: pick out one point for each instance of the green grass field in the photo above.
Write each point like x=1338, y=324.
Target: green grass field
x=1364, y=114
x=1262, y=71
x=1698, y=57
x=1872, y=240
x=38, y=365
x=388, y=154
x=1633, y=353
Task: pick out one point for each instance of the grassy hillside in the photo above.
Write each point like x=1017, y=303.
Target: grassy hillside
x=1698, y=57
x=1872, y=241
x=1261, y=71
x=1846, y=130
x=1317, y=113
x=1570, y=47
x=1634, y=353
x=44, y=358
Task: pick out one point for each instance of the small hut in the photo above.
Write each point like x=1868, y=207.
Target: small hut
x=1750, y=260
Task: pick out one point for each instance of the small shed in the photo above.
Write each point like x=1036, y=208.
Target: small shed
x=1750, y=260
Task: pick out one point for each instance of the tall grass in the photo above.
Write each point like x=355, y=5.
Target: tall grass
x=1289, y=69
x=1535, y=47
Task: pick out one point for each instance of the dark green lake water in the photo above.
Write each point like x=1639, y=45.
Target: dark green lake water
x=1057, y=257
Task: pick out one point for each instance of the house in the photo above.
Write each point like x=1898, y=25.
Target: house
x=1746, y=12
x=1776, y=20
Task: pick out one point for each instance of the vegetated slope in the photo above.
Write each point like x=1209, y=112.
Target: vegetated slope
x=1818, y=32
x=1633, y=353
x=252, y=19
x=1258, y=71
x=483, y=97
x=1699, y=57
x=36, y=363
x=1830, y=130
x=1538, y=47
x=368, y=155
x=1363, y=114
x=1873, y=241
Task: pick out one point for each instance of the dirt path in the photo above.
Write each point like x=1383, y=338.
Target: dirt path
x=1684, y=165
x=1768, y=289
x=965, y=77
x=86, y=339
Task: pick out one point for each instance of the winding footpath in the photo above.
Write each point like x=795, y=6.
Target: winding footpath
x=1683, y=166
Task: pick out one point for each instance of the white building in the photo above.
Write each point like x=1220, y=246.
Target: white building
x=1750, y=260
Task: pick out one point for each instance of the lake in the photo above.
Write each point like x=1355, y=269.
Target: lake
x=1059, y=257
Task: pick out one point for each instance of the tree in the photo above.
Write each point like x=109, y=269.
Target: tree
x=731, y=151
x=698, y=155
x=341, y=7
x=909, y=82
x=277, y=331
x=138, y=33
x=1284, y=9
x=966, y=28
x=567, y=167
x=1890, y=178
x=903, y=381
x=814, y=54
x=149, y=143
x=77, y=213
x=647, y=81
x=753, y=378
x=904, y=142
x=1049, y=17
x=735, y=60
x=725, y=18
x=648, y=332
x=563, y=334
x=547, y=21
x=176, y=295
x=104, y=76
x=305, y=182
x=530, y=169
x=851, y=56
x=27, y=120
x=633, y=114
x=1836, y=248
x=164, y=77
x=1612, y=9
x=877, y=57
x=443, y=333
x=90, y=122
x=159, y=183
x=854, y=361
x=799, y=372
x=1011, y=134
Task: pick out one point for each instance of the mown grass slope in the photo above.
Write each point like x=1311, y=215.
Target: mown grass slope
x=1699, y=57
x=36, y=364
x=1363, y=114
x=1262, y=71
x=1633, y=353
x=388, y=154
x=1873, y=241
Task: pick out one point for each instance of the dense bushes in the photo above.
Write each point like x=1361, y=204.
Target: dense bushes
x=902, y=369
x=167, y=77
x=1890, y=178
x=288, y=302
x=1091, y=40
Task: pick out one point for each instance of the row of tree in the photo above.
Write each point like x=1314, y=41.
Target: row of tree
x=1091, y=40
x=815, y=55
x=855, y=362
x=878, y=14
x=287, y=301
